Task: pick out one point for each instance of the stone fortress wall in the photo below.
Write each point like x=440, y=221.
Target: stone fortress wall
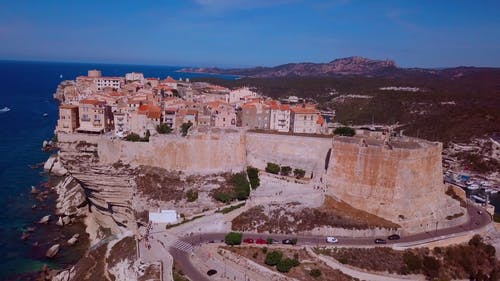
x=399, y=181
x=402, y=182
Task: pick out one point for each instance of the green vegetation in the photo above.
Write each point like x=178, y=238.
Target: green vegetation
x=133, y=137
x=224, y=197
x=233, y=238
x=477, y=163
x=474, y=260
x=163, y=129
x=231, y=208
x=253, y=176
x=185, y=128
x=286, y=170
x=273, y=168
x=345, y=131
x=269, y=240
x=299, y=173
x=275, y=258
x=191, y=195
x=315, y=273
x=241, y=186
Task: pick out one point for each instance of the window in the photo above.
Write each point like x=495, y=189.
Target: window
x=305, y=117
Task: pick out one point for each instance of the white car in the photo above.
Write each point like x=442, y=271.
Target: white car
x=331, y=239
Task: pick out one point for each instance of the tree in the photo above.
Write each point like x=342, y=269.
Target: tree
x=285, y=265
x=146, y=137
x=191, y=195
x=163, y=129
x=431, y=266
x=412, y=261
x=253, y=176
x=233, y=238
x=240, y=185
x=286, y=170
x=345, y=131
x=273, y=258
x=185, y=127
x=133, y=137
x=273, y=168
x=299, y=173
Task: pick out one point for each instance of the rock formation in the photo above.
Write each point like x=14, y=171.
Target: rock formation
x=52, y=251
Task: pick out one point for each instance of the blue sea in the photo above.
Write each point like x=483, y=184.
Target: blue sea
x=27, y=89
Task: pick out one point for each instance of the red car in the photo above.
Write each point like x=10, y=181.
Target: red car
x=261, y=241
x=248, y=240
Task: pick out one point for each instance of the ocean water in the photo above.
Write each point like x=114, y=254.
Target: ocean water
x=27, y=88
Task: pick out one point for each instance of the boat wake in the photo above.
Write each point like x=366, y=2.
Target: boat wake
x=5, y=109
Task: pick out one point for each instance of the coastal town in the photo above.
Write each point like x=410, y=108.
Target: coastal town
x=135, y=105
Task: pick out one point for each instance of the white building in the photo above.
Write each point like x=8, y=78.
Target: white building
x=112, y=82
x=280, y=118
x=305, y=120
x=134, y=76
x=240, y=96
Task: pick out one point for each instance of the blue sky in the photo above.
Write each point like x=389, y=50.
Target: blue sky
x=234, y=33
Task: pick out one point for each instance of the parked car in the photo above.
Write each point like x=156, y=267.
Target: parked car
x=211, y=272
x=248, y=240
x=380, y=241
x=331, y=239
x=287, y=241
x=272, y=241
x=260, y=241
x=394, y=237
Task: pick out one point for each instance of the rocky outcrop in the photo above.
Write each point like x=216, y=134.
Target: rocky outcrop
x=44, y=220
x=52, y=251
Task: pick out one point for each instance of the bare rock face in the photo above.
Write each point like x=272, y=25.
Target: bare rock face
x=71, y=198
x=44, y=220
x=52, y=251
x=59, y=222
x=72, y=241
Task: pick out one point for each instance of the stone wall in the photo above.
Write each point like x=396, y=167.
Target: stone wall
x=307, y=153
x=401, y=182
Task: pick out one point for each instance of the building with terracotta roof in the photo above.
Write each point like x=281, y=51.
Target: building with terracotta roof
x=186, y=116
x=94, y=116
x=304, y=120
x=255, y=115
x=222, y=114
x=68, y=118
x=170, y=82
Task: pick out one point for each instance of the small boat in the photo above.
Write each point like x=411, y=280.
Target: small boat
x=45, y=114
x=60, y=76
x=478, y=199
x=5, y=109
x=473, y=187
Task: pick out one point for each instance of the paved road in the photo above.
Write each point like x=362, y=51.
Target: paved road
x=479, y=218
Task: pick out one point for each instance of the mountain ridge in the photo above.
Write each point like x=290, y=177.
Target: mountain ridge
x=348, y=66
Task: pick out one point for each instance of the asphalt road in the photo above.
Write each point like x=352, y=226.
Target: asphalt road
x=479, y=218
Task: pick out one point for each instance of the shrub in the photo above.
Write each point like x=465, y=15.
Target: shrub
x=163, y=129
x=273, y=168
x=253, y=176
x=264, y=250
x=294, y=241
x=224, y=197
x=431, y=266
x=285, y=265
x=191, y=195
x=273, y=258
x=476, y=241
x=240, y=185
x=412, y=261
x=269, y=241
x=133, y=137
x=345, y=131
x=231, y=208
x=185, y=128
x=286, y=170
x=233, y=238
x=315, y=273
x=299, y=173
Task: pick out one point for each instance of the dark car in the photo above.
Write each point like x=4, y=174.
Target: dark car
x=248, y=240
x=380, y=241
x=211, y=272
x=287, y=241
x=394, y=237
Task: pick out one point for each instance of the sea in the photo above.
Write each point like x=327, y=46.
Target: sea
x=27, y=88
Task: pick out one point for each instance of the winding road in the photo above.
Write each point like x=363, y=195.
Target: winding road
x=478, y=219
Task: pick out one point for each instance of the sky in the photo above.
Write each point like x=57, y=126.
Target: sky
x=243, y=33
